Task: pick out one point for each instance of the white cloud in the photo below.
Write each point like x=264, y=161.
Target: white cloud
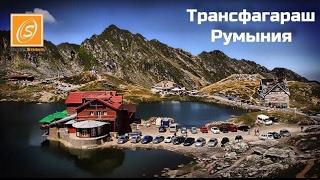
x=47, y=17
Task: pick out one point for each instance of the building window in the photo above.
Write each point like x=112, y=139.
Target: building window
x=105, y=113
x=93, y=132
x=91, y=113
x=84, y=133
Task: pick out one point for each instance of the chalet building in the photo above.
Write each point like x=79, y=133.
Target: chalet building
x=274, y=93
x=99, y=112
x=167, y=87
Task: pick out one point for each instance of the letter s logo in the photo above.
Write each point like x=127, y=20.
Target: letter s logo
x=26, y=31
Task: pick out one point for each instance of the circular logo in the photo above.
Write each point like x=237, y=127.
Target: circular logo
x=26, y=31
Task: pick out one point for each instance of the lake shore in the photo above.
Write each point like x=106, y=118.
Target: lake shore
x=277, y=155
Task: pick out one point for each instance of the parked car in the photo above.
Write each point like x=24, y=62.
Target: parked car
x=238, y=138
x=183, y=130
x=215, y=130
x=135, y=133
x=158, y=139
x=224, y=141
x=173, y=127
x=188, y=141
x=193, y=130
x=263, y=119
x=232, y=127
x=123, y=139
x=204, y=129
x=135, y=139
x=275, y=135
x=178, y=140
x=224, y=129
x=266, y=136
x=162, y=129
x=200, y=142
x=146, y=139
x=273, y=119
x=267, y=122
x=212, y=142
x=285, y=133
x=244, y=128
x=168, y=139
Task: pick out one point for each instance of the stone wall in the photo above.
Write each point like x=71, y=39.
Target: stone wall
x=62, y=134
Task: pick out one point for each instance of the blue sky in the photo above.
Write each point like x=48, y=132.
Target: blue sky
x=168, y=22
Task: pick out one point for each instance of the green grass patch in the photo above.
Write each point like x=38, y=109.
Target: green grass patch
x=87, y=59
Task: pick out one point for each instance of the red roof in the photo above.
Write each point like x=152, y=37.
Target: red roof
x=77, y=96
x=112, y=105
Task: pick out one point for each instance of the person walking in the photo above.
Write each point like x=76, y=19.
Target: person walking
x=255, y=132
x=258, y=131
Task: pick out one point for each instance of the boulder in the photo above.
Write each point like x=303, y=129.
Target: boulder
x=267, y=161
x=259, y=150
x=237, y=146
x=182, y=172
x=267, y=143
x=232, y=155
x=172, y=173
x=272, y=167
x=214, y=157
x=253, y=158
x=277, y=153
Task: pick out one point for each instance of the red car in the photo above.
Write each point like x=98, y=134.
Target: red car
x=204, y=129
x=232, y=128
x=226, y=127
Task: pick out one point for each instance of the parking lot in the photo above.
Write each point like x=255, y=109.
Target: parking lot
x=247, y=136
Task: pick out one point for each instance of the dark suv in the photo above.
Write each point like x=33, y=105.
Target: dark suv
x=224, y=141
x=189, y=141
x=178, y=140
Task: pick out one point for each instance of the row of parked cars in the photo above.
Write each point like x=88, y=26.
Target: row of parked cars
x=275, y=135
x=176, y=140
x=225, y=128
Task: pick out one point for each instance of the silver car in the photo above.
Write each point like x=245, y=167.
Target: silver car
x=122, y=139
x=200, y=142
x=212, y=142
x=193, y=130
x=135, y=139
x=183, y=130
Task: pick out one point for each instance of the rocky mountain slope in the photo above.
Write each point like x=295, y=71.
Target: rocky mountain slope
x=303, y=95
x=131, y=57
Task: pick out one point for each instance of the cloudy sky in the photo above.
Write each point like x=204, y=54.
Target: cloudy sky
x=167, y=21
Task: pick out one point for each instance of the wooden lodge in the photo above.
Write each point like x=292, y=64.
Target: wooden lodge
x=98, y=113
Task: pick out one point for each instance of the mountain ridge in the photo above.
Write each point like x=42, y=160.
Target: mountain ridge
x=132, y=57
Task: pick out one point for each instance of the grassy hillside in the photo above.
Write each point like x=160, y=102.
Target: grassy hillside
x=250, y=118
x=244, y=86
x=81, y=78
x=305, y=96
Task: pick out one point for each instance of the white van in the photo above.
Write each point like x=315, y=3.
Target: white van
x=173, y=127
x=263, y=119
